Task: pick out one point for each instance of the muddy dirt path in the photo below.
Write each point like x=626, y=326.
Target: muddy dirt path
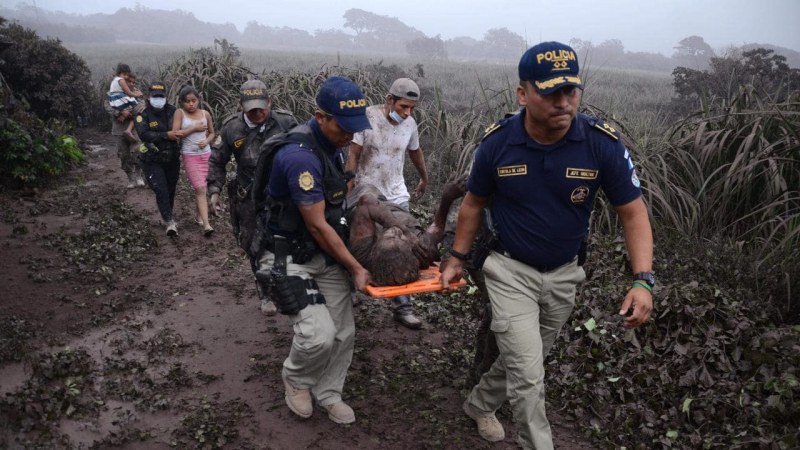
x=116, y=336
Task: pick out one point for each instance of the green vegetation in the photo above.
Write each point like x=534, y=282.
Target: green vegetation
x=42, y=91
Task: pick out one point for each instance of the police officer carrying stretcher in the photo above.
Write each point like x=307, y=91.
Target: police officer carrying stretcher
x=241, y=137
x=542, y=169
x=305, y=262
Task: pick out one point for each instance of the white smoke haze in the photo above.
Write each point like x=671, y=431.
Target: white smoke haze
x=641, y=25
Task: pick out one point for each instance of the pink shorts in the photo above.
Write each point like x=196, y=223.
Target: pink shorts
x=196, y=167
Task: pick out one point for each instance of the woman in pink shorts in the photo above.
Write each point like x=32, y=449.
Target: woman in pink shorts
x=196, y=131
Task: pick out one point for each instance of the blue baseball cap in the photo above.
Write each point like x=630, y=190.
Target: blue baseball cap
x=550, y=66
x=341, y=98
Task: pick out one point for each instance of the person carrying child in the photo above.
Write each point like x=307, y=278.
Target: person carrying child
x=196, y=130
x=122, y=96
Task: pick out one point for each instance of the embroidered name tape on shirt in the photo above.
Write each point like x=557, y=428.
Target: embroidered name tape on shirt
x=581, y=174
x=510, y=171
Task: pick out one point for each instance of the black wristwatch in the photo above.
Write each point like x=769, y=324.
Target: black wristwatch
x=349, y=175
x=458, y=255
x=647, y=277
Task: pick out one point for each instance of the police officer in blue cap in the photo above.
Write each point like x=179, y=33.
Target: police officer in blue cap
x=542, y=169
x=305, y=265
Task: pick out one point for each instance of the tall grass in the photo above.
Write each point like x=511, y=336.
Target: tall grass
x=734, y=173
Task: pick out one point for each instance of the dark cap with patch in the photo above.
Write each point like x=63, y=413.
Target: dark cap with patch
x=253, y=94
x=550, y=66
x=341, y=98
x=157, y=89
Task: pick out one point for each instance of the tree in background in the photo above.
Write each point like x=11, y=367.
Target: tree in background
x=425, y=47
x=694, y=52
x=610, y=52
x=379, y=33
x=761, y=68
x=503, y=43
x=54, y=81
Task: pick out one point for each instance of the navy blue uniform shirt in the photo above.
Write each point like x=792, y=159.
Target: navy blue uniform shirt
x=297, y=171
x=543, y=194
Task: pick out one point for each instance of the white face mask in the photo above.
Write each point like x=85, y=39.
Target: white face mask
x=396, y=117
x=158, y=102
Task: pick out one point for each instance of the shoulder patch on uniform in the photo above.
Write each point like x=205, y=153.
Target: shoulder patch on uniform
x=492, y=128
x=607, y=129
x=139, y=118
x=306, y=181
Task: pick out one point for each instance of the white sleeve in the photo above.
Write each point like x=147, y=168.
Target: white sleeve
x=358, y=138
x=413, y=143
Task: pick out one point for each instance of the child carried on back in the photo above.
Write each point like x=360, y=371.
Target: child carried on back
x=122, y=96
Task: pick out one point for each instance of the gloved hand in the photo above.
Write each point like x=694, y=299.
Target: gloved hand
x=215, y=205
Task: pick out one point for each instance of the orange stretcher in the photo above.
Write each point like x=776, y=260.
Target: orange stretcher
x=428, y=282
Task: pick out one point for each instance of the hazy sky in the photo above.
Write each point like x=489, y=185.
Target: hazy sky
x=641, y=25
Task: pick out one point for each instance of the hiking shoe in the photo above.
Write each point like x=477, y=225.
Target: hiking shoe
x=172, y=228
x=341, y=413
x=268, y=307
x=488, y=426
x=208, y=232
x=298, y=400
x=408, y=320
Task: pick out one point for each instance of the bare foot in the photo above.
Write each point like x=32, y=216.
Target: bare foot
x=130, y=137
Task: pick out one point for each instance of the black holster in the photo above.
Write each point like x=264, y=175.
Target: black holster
x=291, y=294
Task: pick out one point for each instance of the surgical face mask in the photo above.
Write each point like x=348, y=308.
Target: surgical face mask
x=396, y=117
x=158, y=102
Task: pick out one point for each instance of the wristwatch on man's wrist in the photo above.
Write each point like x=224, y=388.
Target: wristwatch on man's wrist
x=458, y=255
x=647, y=277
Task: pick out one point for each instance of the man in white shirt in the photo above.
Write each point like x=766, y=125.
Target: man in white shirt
x=377, y=157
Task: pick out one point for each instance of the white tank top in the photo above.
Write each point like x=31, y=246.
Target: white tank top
x=189, y=143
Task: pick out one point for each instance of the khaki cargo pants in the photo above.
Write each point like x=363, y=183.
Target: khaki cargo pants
x=528, y=310
x=324, y=335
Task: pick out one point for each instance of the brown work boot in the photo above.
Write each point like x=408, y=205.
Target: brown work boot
x=298, y=400
x=340, y=412
x=488, y=426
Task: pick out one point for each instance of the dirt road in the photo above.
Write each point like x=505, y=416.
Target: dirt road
x=115, y=336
